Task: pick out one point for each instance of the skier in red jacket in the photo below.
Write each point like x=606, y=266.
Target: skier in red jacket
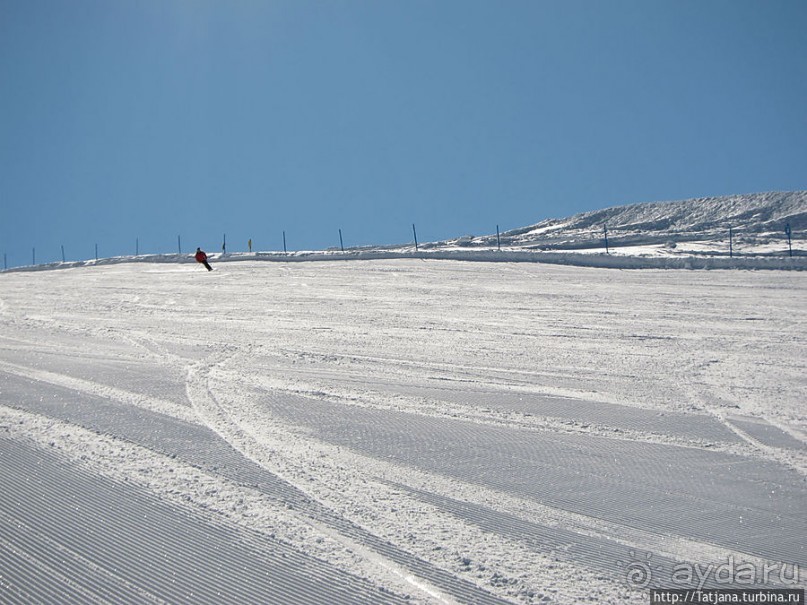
x=201, y=257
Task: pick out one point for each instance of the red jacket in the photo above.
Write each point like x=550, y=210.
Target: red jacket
x=200, y=256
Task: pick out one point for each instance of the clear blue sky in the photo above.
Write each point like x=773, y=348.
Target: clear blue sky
x=147, y=119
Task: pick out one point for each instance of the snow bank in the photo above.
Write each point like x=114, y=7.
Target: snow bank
x=577, y=259
x=690, y=234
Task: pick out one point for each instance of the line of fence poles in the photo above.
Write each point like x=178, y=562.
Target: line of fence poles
x=607, y=243
x=224, y=245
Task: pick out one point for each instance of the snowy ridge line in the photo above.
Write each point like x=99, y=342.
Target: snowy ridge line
x=595, y=260
x=603, y=261
x=161, y=406
x=750, y=212
x=635, y=231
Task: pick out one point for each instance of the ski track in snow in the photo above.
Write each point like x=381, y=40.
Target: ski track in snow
x=435, y=432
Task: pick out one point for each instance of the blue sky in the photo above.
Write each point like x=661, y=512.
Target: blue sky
x=148, y=119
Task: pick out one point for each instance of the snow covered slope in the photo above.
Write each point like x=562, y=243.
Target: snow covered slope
x=758, y=223
x=692, y=234
x=398, y=431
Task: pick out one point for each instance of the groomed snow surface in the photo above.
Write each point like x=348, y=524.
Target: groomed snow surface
x=399, y=431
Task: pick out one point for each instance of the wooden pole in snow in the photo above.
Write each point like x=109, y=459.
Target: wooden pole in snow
x=415, y=232
x=788, y=232
x=731, y=242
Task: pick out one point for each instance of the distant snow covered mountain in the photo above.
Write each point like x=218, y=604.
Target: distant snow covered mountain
x=732, y=232
x=757, y=222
